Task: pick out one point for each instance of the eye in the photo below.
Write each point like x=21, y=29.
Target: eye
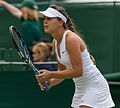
x=47, y=18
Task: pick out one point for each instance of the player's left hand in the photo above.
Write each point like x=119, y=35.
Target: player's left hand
x=45, y=76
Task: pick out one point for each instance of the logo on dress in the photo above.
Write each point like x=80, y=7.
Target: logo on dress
x=82, y=100
x=63, y=52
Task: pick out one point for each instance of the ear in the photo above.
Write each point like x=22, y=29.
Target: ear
x=61, y=23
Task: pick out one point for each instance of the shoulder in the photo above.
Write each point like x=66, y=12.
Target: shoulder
x=74, y=41
x=72, y=37
x=53, y=41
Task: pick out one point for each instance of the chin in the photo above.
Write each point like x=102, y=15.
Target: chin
x=46, y=31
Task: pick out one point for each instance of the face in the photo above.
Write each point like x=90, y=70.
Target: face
x=51, y=25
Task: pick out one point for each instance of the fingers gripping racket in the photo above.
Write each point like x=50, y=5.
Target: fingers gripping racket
x=23, y=51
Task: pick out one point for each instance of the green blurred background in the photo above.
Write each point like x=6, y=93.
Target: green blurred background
x=98, y=22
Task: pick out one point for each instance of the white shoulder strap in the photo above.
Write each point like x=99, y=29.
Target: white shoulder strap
x=64, y=40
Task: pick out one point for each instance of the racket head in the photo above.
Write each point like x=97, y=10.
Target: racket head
x=19, y=44
x=23, y=51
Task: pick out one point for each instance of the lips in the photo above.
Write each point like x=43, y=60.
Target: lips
x=45, y=26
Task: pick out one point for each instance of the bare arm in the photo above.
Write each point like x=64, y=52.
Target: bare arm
x=52, y=82
x=55, y=81
x=74, y=51
x=12, y=9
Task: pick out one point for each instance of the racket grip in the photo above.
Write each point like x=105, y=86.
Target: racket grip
x=44, y=83
x=46, y=86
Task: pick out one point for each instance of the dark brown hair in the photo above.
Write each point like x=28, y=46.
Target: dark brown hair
x=69, y=24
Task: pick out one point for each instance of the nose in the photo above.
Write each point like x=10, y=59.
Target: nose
x=45, y=20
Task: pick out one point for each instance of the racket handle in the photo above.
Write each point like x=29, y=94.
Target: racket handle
x=44, y=83
x=46, y=86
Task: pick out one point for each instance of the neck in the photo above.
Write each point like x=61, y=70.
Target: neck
x=58, y=35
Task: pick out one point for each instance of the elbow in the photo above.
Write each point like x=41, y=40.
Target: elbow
x=78, y=73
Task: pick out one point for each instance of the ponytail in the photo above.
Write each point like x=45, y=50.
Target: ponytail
x=70, y=25
x=93, y=59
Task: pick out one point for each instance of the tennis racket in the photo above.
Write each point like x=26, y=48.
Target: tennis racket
x=23, y=51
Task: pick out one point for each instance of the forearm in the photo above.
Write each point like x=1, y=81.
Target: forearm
x=66, y=74
x=12, y=9
x=55, y=81
x=55, y=77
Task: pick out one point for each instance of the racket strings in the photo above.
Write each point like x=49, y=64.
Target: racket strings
x=20, y=44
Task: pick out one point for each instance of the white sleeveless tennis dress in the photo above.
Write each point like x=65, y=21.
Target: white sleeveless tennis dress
x=91, y=89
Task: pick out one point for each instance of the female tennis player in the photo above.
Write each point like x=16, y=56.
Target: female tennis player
x=91, y=88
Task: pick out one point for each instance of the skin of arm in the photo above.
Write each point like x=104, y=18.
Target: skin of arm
x=53, y=81
x=12, y=9
x=74, y=51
